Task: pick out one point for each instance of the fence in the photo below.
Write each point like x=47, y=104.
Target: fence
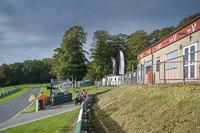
x=9, y=92
x=181, y=69
x=81, y=125
x=126, y=79
x=62, y=98
x=185, y=68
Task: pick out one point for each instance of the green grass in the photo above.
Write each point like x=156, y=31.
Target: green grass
x=170, y=108
x=90, y=90
x=32, y=108
x=62, y=123
x=23, y=88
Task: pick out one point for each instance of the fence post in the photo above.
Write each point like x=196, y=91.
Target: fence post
x=37, y=105
x=183, y=71
x=164, y=74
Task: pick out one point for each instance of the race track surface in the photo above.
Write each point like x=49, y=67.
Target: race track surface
x=12, y=107
x=34, y=116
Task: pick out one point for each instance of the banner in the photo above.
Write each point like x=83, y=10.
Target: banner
x=114, y=65
x=121, y=63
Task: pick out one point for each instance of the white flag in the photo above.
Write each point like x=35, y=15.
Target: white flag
x=121, y=63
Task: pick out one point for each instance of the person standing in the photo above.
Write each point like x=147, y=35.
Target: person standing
x=42, y=97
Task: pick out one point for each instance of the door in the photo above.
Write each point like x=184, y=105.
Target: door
x=190, y=66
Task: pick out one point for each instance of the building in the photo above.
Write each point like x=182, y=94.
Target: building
x=176, y=58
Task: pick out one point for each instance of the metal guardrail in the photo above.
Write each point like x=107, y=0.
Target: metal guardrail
x=81, y=126
x=8, y=92
x=62, y=98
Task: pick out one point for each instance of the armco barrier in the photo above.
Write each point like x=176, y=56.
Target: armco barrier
x=81, y=126
x=9, y=92
x=62, y=98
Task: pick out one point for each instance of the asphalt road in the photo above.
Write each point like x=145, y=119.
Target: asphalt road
x=12, y=107
x=30, y=117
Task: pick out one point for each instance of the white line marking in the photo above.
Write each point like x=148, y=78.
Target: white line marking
x=37, y=119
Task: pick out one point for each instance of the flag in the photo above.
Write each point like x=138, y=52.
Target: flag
x=121, y=63
x=113, y=65
x=32, y=97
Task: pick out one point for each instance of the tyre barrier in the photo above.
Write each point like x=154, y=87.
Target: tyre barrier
x=61, y=98
x=81, y=125
x=8, y=92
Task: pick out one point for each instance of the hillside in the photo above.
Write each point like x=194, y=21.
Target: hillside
x=135, y=109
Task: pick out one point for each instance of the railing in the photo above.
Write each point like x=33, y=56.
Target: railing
x=8, y=92
x=81, y=126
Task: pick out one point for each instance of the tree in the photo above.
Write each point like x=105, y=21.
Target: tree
x=103, y=47
x=16, y=73
x=100, y=53
x=137, y=42
x=157, y=35
x=4, y=72
x=70, y=56
x=187, y=19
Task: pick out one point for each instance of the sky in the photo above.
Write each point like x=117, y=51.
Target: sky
x=32, y=29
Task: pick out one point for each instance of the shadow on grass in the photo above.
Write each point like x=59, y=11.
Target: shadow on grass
x=101, y=122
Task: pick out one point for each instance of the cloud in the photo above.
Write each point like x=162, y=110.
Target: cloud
x=33, y=28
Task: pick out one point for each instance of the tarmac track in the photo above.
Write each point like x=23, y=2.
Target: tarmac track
x=12, y=107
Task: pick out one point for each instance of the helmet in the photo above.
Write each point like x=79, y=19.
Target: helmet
x=83, y=89
x=76, y=91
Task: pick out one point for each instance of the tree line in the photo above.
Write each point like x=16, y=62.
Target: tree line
x=30, y=71
x=69, y=61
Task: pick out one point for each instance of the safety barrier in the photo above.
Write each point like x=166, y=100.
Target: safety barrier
x=62, y=98
x=9, y=92
x=81, y=126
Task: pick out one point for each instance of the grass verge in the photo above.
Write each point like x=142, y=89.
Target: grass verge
x=160, y=108
x=90, y=90
x=62, y=123
x=23, y=88
x=32, y=108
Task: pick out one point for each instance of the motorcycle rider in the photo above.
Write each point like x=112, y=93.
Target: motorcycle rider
x=84, y=94
x=78, y=98
x=78, y=95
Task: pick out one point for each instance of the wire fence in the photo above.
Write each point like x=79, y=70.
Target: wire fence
x=185, y=68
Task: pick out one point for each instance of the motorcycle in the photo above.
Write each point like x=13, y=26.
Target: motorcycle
x=78, y=100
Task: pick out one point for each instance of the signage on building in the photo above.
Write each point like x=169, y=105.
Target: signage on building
x=171, y=39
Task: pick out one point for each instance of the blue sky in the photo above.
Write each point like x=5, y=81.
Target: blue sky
x=32, y=29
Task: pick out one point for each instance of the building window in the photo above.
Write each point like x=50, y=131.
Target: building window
x=171, y=60
x=157, y=63
x=148, y=66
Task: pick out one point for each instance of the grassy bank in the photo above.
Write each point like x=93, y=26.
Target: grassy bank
x=62, y=123
x=23, y=88
x=160, y=108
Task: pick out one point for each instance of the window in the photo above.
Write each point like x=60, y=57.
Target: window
x=148, y=66
x=171, y=64
x=190, y=66
x=157, y=63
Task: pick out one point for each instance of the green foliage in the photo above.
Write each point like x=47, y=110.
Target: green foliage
x=137, y=42
x=30, y=71
x=187, y=19
x=104, y=47
x=23, y=88
x=69, y=59
x=157, y=35
x=62, y=123
x=4, y=71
